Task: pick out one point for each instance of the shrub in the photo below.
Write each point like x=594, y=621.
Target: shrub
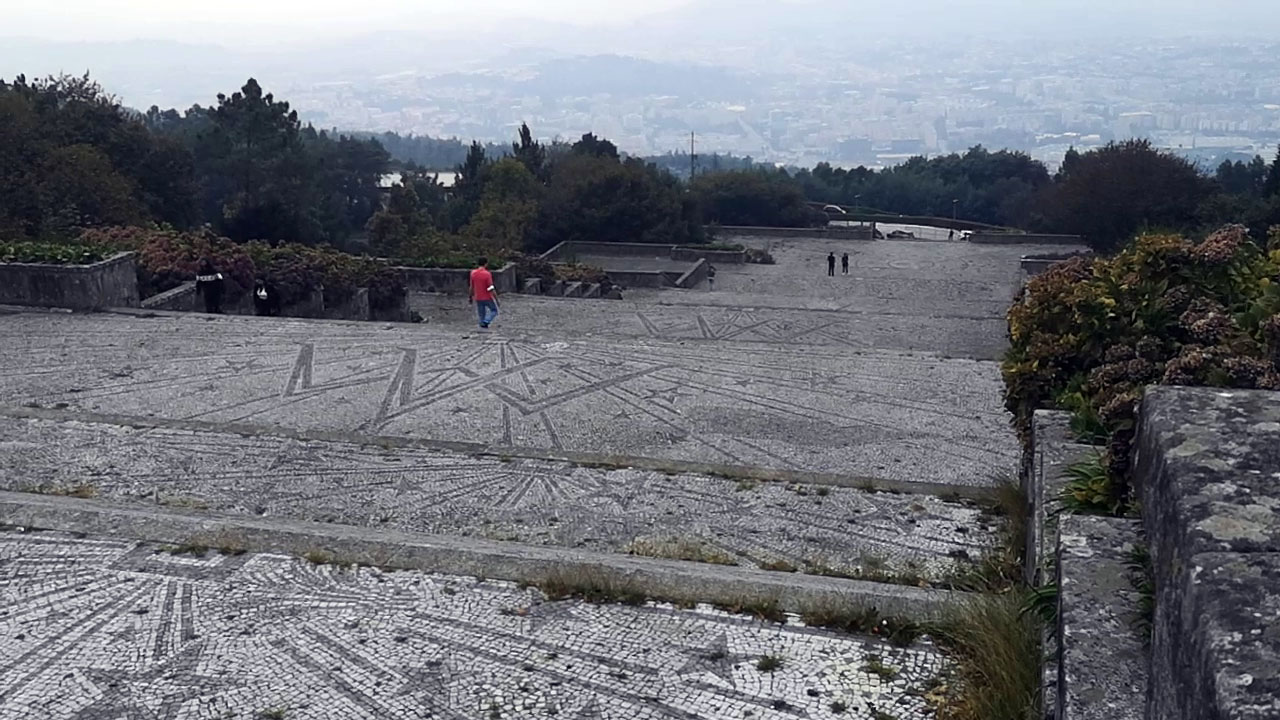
x=1090, y=333
x=759, y=257
x=54, y=253
x=296, y=270
x=167, y=258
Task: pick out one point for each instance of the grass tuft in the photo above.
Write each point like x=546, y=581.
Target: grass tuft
x=768, y=663
x=692, y=550
x=996, y=647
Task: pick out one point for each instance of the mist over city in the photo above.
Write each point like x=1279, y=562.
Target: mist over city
x=793, y=83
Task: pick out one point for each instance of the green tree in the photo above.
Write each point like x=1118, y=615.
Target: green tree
x=508, y=208
x=1272, y=186
x=752, y=197
x=595, y=147
x=530, y=152
x=1112, y=193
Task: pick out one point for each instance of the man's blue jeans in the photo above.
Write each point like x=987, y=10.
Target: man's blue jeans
x=487, y=310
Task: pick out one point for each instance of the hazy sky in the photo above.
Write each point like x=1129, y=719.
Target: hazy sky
x=125, y=19
x=292, y=21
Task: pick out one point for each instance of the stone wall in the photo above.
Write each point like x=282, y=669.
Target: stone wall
x=454, y=282
x=1207, y=469
x=110, y=283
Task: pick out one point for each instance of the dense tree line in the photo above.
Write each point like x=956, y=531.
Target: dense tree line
x=71, y=156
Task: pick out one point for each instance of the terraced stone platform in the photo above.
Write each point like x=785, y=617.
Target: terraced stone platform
x=876, y=415
x=100, y=628
x=817, y=529
x=646, y=440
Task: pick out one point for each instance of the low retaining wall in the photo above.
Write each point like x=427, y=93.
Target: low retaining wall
x=454, y=282
x=180, y=299
x=355, y=308
x=834, y=233
x=694, y=276
x=995, y=238
x=724, y=257
x=640, y=278
x=1033, y=265
x=570, y=249
x=1207, y=468
x=110, y=283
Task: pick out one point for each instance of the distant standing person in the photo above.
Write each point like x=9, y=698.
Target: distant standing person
x=711, y=277
x=844, y=263
x=209, y=286
x=831, y=265
x=951, y=234
x=266, y=301
x=483, y=294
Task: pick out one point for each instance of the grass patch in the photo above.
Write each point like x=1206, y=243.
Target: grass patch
x=681, y=549
x=319, y=557
x=861, y=620
x=272, y=714
x=83, y=491
x=183, y=502
x=591, y=585
x=876, y=666
x=1091, y=489
x=776, y=566
x=996, y=647
x=1000, y=568
x=747, y=484
x=190, y=548
x=871, y=569
x=768, y=663
x=760, y=608
x=1142, y=577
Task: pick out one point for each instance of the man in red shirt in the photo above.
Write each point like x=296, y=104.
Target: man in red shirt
x=483, y=294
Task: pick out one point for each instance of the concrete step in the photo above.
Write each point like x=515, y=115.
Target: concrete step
x=668, y=580
x=262, y=635
x=574, y=289
x=374, y=482
x=1101, y=656
x=532, y=286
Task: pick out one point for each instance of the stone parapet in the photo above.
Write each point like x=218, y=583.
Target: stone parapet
x=112, y=282
x=1207, y=468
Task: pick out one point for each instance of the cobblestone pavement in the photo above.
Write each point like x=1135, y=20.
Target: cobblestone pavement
x=876, y=414
x=821, y=529
x=98, y=629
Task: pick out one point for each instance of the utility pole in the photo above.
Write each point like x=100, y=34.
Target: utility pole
x=693, y=157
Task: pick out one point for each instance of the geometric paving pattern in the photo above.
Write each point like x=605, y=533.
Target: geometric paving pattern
x=528, y=501
x=801, y=408
x=99, y=629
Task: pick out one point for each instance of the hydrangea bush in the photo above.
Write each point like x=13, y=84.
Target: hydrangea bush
x=1090, y=333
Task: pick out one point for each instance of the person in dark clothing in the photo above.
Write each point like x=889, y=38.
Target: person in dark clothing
x=831, y=265
x=266, y=301
x=209, y=286
x=844, y=263
x=711, y=277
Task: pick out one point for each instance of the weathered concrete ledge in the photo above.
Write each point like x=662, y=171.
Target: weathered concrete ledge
x=1207, y=468
x=1101, y=661
x=601, y=460
x=671, y=580
x=450, y=281
x=1053, y=450
x=179, y=299
x=112, y=282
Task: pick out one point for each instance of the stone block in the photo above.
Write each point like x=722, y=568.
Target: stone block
x=555, y=289
x=1101, y=659
x=591, y=291
x=1054, y=449
x=1207, y=467
x=573, y=289
x=532, y=286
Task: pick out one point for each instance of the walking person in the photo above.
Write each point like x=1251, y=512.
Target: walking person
x=844, y=263
x=483, y=294
x=831, y=265
x=209, y=285
x=711, y=277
